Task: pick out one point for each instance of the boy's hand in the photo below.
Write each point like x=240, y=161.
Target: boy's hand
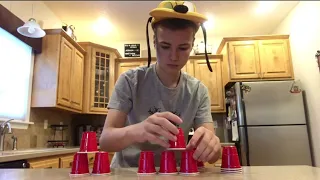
x=207, y=145
x=157, y=125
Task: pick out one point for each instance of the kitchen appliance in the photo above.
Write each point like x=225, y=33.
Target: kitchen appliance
x=84, y=128
x=79, y=130
x=199, y=49
x=70, y=31
x=58, y=138
x=19, y=164
x=269, y=124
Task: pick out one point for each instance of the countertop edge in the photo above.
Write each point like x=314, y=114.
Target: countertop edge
x=31, y=155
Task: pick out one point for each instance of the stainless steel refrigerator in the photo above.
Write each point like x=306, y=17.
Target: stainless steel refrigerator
x=272, y=124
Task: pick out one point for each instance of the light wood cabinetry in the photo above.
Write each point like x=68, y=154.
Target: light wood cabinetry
x=58, y=73
x=98, y=77
x=275, y=59
x=44, y=163
x=66, y=161
x=212, y=80
x=91, y=159
x=61, y=161
x=244, y=60
x=256, y=58
x=124, y=64
x=197, y=67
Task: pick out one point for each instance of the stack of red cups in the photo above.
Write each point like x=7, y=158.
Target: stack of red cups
x=80, y=164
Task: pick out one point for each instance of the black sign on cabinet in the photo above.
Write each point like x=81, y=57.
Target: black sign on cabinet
x=132, y=50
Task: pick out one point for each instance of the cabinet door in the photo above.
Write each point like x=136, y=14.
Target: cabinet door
x=275, y=59
x=125, y=66
x=52, y=164
x=100, y=80
x=77, y=80
x=44, y=163
x=66, y=56
x=66, y=162
x=91, y=160
x=213, y=81
x=189, y=67
x=244, y=60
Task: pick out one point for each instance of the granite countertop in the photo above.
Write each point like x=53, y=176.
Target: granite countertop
x=6, y=156
x=249, y=173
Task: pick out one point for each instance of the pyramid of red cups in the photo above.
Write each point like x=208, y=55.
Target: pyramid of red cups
x=168, y=163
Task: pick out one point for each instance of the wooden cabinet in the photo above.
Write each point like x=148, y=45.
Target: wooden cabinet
x=58, y=73
x=275, y=59
x=44, y=163
x=197, y=67
x=256, y=58
x=124, y=64
x=244, y=60
x=98, y=76
x=212, y=80
x=91, y=157
x=66, y=161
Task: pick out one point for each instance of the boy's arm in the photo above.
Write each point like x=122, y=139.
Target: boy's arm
x=115, y=136
x=205, y=141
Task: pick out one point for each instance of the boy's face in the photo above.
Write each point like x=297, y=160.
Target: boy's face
x=173, y=48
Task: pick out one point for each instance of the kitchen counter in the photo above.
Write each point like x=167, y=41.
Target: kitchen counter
x=249, y=173
x=7, y=156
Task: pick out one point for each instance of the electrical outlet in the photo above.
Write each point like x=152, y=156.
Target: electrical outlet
x=215, y=124
x=45, y=124
x=61, y=123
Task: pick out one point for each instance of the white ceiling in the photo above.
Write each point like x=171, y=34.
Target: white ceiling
x=231, y=18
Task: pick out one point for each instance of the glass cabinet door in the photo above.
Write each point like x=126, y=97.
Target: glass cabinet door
x=100, y=85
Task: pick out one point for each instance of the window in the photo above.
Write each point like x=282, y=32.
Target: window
x=16, y=70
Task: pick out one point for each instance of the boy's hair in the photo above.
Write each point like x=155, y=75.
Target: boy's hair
x=176, y=24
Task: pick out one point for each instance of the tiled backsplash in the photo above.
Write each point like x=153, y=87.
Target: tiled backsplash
x=36, y=136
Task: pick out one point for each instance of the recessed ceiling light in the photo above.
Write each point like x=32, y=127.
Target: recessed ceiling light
x=102, y=26
x=266, y=7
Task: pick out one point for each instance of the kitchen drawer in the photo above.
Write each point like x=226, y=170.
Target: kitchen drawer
x=44, y=163
x=91, y=159
x=66, y=161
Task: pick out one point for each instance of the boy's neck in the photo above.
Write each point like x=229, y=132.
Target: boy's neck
x=168, y=80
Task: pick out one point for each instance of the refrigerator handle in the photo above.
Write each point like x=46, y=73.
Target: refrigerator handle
x=240, y=109
x=244, y=146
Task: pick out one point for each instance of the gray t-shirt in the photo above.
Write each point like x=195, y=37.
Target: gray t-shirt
x=140, y=93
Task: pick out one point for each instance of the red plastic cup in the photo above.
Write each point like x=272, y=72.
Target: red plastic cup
x=168, y=163
x=146, y=163
x=101, y=164
x=180, y=143
x=89, y=142
x=80, y=164
x=230, y=158
x=188, y=165
x=200, y=164
x=226, y=150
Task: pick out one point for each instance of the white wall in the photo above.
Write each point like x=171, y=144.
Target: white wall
x=23, y=9
x=303, y=25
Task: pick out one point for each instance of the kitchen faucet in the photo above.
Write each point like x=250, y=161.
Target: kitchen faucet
x=2, y=132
